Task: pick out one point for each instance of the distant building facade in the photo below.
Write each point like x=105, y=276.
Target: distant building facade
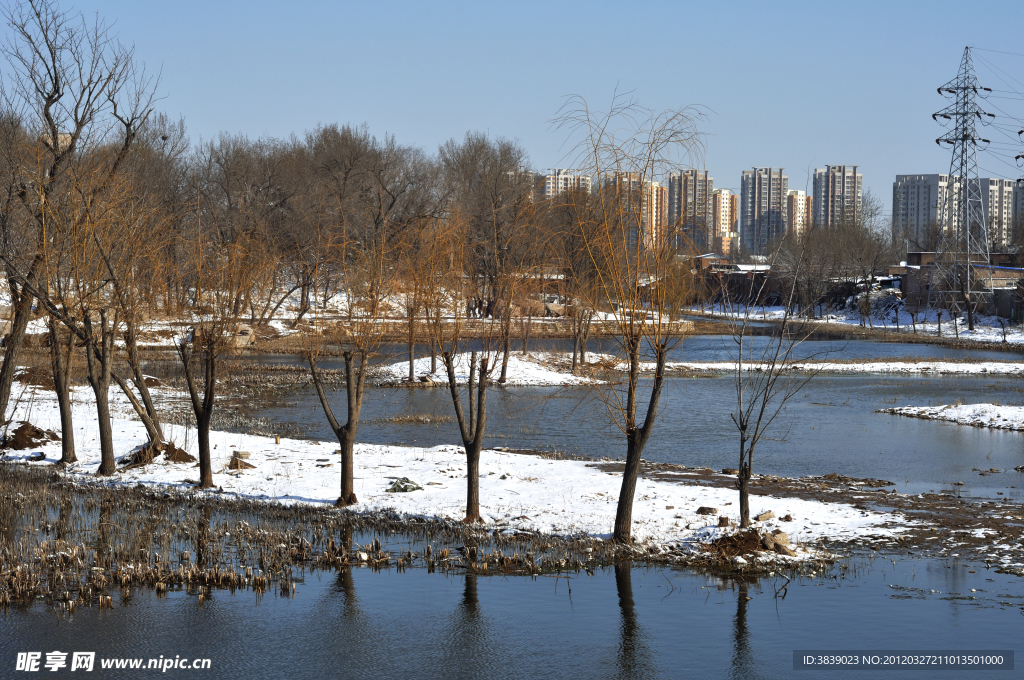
x=763, y=194
x=559, y=180
x=918, y=202
x=837, y=195
x=725, y=207
x=655, y=219
x=799, y=212
x=690, y=209
x=647, y=199
x=998, y=203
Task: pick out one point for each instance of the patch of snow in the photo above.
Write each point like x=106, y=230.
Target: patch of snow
x=518, y=491
x=979, y=415
x=522, y=371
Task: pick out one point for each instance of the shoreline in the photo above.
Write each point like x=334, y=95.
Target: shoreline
x=559, y=499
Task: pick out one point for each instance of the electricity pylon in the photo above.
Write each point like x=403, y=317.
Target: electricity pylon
x=963, y=237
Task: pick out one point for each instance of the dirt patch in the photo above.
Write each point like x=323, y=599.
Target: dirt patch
x=143, y=456
x=28, y=436
x=38, y=376
x=175, y=455
x=735, y=545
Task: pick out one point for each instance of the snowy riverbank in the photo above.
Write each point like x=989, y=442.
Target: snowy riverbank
x=884, y=367
x=519, y=492
x=978, y=415
x=924, y=323
x=522, y=371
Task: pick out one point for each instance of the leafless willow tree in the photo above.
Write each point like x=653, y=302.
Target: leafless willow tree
x=634, y=268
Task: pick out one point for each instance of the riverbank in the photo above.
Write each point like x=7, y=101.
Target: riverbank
x=519, y=492
x=677, y=510
x=988, y=334
x=994, y=416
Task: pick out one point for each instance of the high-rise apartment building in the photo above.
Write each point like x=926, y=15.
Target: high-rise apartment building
x=763, y=194
x=837, y=195
x=997, y=203
x=559, y=180
x=918, y=202
x=646, y=199
x=798, y=211
x=655, y=222
x=725, y=220
x=690, y=209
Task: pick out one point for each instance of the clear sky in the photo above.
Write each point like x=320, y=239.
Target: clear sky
x=796, y=85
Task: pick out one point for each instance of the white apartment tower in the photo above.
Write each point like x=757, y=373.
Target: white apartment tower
x=559, y=180
x=837, y=195
x=798, y=210
x=725, y=220
x=997, y=204
x=918, y=202
x=763, y=193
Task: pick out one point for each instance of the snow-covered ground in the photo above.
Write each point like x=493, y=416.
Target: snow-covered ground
x=978, y=415
x=885, y=367
x=518, y=491
x=522, y=371
x=900, y=367
x=986, y=328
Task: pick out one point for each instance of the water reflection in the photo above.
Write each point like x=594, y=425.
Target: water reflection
x=468, y=650
x=634, y=659
x=743, y=666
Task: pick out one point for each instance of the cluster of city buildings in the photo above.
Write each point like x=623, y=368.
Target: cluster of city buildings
x=687, y=211
x=919, y=206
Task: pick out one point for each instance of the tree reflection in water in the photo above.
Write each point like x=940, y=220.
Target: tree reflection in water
x=634, y=658
x=346, y=584
x=743, y=665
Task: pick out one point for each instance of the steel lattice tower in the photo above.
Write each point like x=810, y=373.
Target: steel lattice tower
x=963, y=237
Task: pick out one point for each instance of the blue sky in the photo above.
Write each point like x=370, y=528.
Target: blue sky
x=795, y=85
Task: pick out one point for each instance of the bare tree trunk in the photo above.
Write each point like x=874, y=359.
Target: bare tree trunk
x=636, y=435
x=623, y=529
x=202, y=408
x=16, y=337
x=472, y=430
x=504, y=354
x=205, y=461
x=99, y=379
x=473, y=449
x=132, y=349
x=346, y=434
x=743, y=481
x=412, y=344
x=967, y=304
x=304, y=301
x=60, y=365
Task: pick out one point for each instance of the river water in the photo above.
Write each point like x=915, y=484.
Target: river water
x=618, y=623
x=830, y=426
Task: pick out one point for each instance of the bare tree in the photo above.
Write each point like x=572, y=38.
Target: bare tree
x=636, y=273
x=763, y=378
x=217, y=274
x=445, y=289
x=77, y=92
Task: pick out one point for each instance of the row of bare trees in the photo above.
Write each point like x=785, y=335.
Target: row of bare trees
x=113, y=224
